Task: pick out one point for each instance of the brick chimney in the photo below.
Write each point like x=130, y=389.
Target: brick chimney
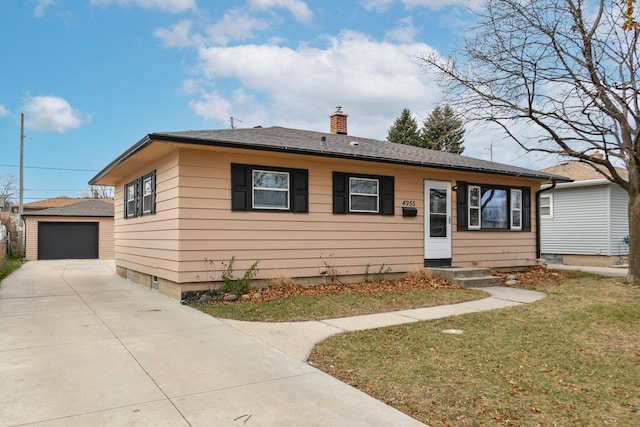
x=339, y=122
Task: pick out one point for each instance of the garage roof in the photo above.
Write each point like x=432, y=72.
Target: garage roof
x=91, y=208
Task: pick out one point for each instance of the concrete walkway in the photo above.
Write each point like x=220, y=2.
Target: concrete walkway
x=81, y=346
x=602, y=271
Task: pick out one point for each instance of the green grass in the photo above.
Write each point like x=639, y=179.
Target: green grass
x=8, y=266
x=317, y=307
x=572, y=359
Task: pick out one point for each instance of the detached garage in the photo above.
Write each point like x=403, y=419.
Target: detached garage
x=83, y=230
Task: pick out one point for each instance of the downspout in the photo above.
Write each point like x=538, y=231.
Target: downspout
x=538, y=244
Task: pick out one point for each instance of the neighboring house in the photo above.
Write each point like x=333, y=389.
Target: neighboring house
x=309, y=205
x=76, y=229
x=584, y=222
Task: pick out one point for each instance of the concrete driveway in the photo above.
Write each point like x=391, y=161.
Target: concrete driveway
x=80, y=346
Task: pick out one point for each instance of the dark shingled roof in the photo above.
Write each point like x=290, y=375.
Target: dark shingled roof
x=91, y=208
x=330, y=145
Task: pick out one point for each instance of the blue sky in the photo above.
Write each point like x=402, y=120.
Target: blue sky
x=94, y=76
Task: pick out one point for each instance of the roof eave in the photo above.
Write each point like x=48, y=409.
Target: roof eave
x=121, y=159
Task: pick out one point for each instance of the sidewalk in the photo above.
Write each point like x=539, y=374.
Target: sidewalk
x=298, y=338
x=602, y=271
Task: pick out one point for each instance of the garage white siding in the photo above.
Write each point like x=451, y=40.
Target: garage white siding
x=619, y=220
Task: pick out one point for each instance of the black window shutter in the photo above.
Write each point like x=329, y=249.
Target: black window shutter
x=300, y=187
x=526, y=209
x=340, y=192
x=462, y=197
x=388, y=196
x=240, y=187
x=126, y=204
x=138, y=197
x=153, y=192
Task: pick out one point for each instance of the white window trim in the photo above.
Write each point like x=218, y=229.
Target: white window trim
x=131, y=212
x=550, y=197
x=146, y=195
x=254, y=188
x=478, y=207
x=515, y=209
x=377, y=195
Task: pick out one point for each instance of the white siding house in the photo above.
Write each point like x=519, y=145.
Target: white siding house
x=584, y=222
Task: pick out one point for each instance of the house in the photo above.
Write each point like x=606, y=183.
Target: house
x=584, y=222
x=309, y=204
x=74, y=229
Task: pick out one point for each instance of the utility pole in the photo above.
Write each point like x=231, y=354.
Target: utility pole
x=21, y=196
x=490, y=150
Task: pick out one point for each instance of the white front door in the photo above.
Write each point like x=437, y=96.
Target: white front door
x=437, y=222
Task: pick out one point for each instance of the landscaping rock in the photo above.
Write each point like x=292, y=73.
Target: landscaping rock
x=257, y=295
x=205, y=298
x=231, y=297
x=511, y=282
x=512, y=277
x=246, y=297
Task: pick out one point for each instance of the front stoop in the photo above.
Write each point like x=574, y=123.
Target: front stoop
x=467, y=276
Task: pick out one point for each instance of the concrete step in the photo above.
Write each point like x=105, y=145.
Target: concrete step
x=478, y=282
x=453, y=273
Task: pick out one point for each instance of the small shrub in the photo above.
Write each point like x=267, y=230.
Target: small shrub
x=375, y=277
x=281, y=280
x=419, y=273
x=237, y=286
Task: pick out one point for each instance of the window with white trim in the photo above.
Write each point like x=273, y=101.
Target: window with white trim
x=131, y=200
x=474, y=207
x=270, y=189
x=516, y=209
x=546, y=205
x=140, y=196
x=146, y=195
x=363, y=195
x=488, y=207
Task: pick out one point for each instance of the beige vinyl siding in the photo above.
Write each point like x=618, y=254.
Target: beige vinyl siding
x=150, y=243
x=105, y=234
x=300, y=244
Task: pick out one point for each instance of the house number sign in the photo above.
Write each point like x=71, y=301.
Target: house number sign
x=409, y=203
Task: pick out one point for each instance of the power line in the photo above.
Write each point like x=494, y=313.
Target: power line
x=54, y=169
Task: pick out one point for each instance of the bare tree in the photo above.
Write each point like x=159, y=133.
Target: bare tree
x=98, y=192
x=7, y=191
x=564, y=72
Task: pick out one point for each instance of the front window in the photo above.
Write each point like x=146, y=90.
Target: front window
x=270, y=190
x=474, y=207
x=516, y=209
x=363, y=195
x=131, y=200
x=146, y=195
x=494, y=212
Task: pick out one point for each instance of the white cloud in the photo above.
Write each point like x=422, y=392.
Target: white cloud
x=41, y=6
x=405, y=32
x=52, y=114
x=297, y=8
x=300, y=87
x=3, y=111
x=377, y=5
x=178, y=36
x=440, y=4
x=234, y=25
x=171, y=6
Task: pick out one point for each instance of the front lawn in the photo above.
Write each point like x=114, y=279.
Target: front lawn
x=8, y=266
x=298, y=303
x=572, y=359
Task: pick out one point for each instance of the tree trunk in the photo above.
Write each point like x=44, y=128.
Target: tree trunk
x=634, y=233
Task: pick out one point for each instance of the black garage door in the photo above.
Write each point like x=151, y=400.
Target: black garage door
x=67, y=240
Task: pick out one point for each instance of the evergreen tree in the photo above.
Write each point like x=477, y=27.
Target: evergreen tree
x=405, y=130
x=443, y=131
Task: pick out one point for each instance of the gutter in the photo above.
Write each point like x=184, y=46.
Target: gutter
x=542, y=190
